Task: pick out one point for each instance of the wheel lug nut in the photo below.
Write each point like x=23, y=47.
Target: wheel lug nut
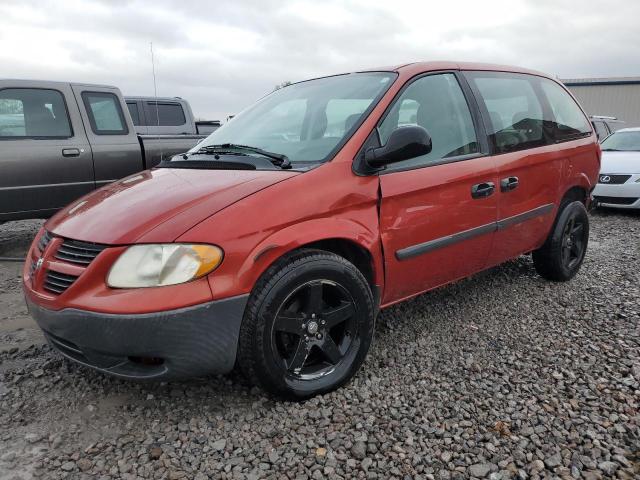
x=319, y=336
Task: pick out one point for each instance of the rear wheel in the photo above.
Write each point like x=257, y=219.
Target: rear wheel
x=561, y=256
x=308, y=325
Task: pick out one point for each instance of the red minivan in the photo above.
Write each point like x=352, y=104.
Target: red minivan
x=276, y=240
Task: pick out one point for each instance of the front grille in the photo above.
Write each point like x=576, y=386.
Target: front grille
x=44, y=241
x=32, y=267
x=616, y=200
x=56, y=282
x=75, y=251
x=607, y=179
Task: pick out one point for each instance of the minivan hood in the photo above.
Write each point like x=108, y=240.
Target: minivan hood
x=620, y=162
x=130, y=209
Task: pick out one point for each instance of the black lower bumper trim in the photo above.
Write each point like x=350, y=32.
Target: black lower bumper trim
x=191, y=341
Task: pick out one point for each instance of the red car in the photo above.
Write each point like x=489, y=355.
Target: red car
x=275, y=241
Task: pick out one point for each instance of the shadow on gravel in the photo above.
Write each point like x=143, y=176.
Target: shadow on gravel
x=625, y=213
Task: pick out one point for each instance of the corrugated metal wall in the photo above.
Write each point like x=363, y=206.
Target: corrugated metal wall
x=621, y=101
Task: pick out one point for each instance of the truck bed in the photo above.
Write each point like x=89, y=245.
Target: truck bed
x=158, y=147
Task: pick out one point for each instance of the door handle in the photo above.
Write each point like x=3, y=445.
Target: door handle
x=482, y=190
x=70, y=152
x=508, y=184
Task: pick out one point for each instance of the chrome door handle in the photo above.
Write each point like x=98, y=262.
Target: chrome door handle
x=482, y=190
x=509, y=183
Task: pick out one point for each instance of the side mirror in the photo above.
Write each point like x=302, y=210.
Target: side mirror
x=404, y=143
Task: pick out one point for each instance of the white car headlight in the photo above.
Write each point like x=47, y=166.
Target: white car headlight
x=159, y=265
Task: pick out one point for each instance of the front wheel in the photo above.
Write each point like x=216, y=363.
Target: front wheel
x=561, y=256
x=308, y=325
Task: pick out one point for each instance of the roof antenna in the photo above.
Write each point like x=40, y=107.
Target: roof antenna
x=155, y=93
x=155, y=88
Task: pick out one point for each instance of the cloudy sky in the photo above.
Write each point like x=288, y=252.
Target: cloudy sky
x=222, y=55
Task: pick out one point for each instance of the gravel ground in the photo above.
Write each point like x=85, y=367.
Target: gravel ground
x=503, y=375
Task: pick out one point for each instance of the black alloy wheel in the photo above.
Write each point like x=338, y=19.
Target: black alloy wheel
x=562, y=254
x=314, y=329
x=307, y=326
x=573, y=243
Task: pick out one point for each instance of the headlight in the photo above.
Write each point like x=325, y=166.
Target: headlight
x=159, y=265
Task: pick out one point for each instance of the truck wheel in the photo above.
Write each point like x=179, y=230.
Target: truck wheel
x=561, y=256
x=308, y=325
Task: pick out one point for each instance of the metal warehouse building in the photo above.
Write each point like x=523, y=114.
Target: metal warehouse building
x=615, y=97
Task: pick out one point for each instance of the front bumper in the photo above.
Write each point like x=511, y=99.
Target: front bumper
x=187, y=342
x=624, y=195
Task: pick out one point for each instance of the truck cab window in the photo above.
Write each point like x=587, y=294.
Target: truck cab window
x=135, y=114
x=164, y=114
x=33, y=113
x=105, y=114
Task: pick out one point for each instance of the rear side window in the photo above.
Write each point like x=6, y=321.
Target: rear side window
x=164, y=114
x=105, y=114
x=33, y=113
x=435, y=102
x=133, y=111
x=569, y=121
x=515, y=111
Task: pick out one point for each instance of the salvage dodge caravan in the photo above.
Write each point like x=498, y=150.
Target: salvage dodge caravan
x=274, y=242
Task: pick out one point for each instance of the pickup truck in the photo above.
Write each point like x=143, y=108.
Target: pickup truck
x=61, y=140
x=166, y=115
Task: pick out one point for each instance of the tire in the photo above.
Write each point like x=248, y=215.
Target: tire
x=308, y=325
x=562, y=254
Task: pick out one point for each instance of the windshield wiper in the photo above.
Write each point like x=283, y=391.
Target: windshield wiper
x=610, y=150
x=278, y=159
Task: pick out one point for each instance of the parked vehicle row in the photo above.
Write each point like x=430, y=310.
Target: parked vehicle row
x=274, y=243
x=60, y=140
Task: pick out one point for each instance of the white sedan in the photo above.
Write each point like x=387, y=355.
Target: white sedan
x=619, y=182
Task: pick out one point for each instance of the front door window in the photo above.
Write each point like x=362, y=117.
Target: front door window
x=435, y=102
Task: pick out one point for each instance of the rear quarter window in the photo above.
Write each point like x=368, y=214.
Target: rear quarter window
x=569, y=122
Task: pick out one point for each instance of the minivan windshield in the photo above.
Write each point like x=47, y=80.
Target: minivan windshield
x=622, y=141
x=307, y=121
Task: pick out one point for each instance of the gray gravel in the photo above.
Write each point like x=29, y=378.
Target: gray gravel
x=503, y=375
